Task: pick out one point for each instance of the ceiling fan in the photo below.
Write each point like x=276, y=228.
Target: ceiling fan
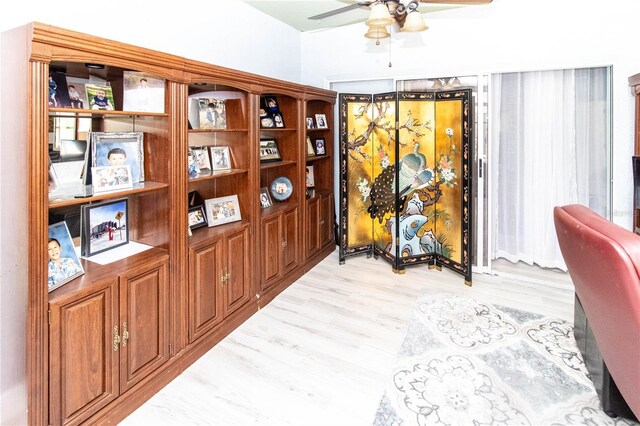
x=397, y=9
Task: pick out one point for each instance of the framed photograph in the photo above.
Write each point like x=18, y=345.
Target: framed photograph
x=310, y=123
x=278, y=120
x=193, y=168
x=271, y=104
x=64, y=264
x=111, y=178
x=265, y=198
x=310, y=179
x=119, y=149
x=321, y=121
x=58, y=91
x=269, y=151
x=143, y=92
x=201, y=157
x=100, y=97
x=220, y=157
x=197, y=217
x=310, y=151
x=267, y=121
x=222, y=210
x=213, y=113
x=77, y=92
x=321, y=148
x=104, y=226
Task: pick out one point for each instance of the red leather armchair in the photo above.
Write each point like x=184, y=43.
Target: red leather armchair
x=603, y=260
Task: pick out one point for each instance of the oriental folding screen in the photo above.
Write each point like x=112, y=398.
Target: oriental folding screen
x=405, y=190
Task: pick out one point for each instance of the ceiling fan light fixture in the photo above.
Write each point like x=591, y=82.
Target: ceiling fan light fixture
x=379, y=16
x=414, y=23
x=377, y=33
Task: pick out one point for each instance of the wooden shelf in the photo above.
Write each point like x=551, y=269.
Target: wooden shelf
x=65, y=112
x=216, y=174
x=217, y=130
x=318, y=130
x=94, y=272
x=277, y=207
x=273, y=164
x=278, y=129
x=72, y=197
x=318, y=158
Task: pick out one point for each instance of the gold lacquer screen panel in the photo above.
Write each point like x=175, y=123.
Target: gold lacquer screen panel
x=356, y=146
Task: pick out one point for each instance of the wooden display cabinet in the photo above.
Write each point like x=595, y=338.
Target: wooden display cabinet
x=103, y=343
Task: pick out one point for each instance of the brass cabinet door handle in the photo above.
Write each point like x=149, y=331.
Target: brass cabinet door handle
x=125, y=334
x=116, y=338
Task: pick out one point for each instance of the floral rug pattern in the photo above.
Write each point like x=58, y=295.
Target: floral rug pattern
x=468, y=363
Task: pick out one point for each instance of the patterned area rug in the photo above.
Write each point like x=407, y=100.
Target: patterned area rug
x=468, y=363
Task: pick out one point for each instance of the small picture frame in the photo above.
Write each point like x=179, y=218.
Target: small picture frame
x=310, y=180
x=265, y=198
x=201, y=158
x=63, y=264
x=310, y=151
x=321, y=121
x=213, y=113
x=197, y=217
x=222, y=210
x=111, y=178
x=100, y=97
x=77, y=92
x=269, y=151
x=321, y=147
x=220, y=158
x=278, y=120
x=118, y=149
x=58, y=90
x=310, y=124
x=271, y=104
x=104, y=226
x=267, y=122
x=143, y=92
x=192, y=165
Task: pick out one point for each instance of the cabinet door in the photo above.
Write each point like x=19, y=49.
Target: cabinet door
x=83, y=361
x=290, y=238
x=205, y=275
x=326, y=221
x=312, y=240
x=144, y=322
x=237, y=285
x=271, y=248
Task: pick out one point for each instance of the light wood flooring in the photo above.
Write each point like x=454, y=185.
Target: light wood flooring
x=319, y=353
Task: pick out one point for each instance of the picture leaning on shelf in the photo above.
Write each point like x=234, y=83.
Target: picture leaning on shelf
x=265, y=198
x=100, y=97
x=119, y=149
x=222, y=210
x=213, y=114
x=310, y=179
x=220, y=158
x=320, y=146
x=104, y=226
x=197, y=217
x=270, y=114
x=310, y=123
x=111, y=178
x=269, y=151
x=63, y=264
x=77, y=92
x=143, y=92
x=321, y=121
x=310, y=150
x=201, y=157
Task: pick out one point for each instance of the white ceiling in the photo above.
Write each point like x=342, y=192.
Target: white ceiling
x=297, y=12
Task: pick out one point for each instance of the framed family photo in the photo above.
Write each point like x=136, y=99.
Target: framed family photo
x=269, y=151
x=201, y=158
x=310, y=180
x=64, y=264
x=143, y=92
x=222, y=210
x=119, y=149
x=77, y=92
x=321, y=148
x=104, y=226
x=321, y=121
x=197, y=217
x=111, y=178
x=310, y=123
x=265, y=198
x=220, y=157
x=100, y=97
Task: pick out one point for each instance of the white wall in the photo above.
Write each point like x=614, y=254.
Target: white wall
x=198, y=30
x=506, y=35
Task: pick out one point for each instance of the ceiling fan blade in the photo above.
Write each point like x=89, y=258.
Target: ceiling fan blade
x=467, y=2
x=341, y=10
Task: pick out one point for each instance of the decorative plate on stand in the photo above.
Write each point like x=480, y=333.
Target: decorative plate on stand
x=281, y=188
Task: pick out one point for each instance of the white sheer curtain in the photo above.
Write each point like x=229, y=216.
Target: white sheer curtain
x=549, y=148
